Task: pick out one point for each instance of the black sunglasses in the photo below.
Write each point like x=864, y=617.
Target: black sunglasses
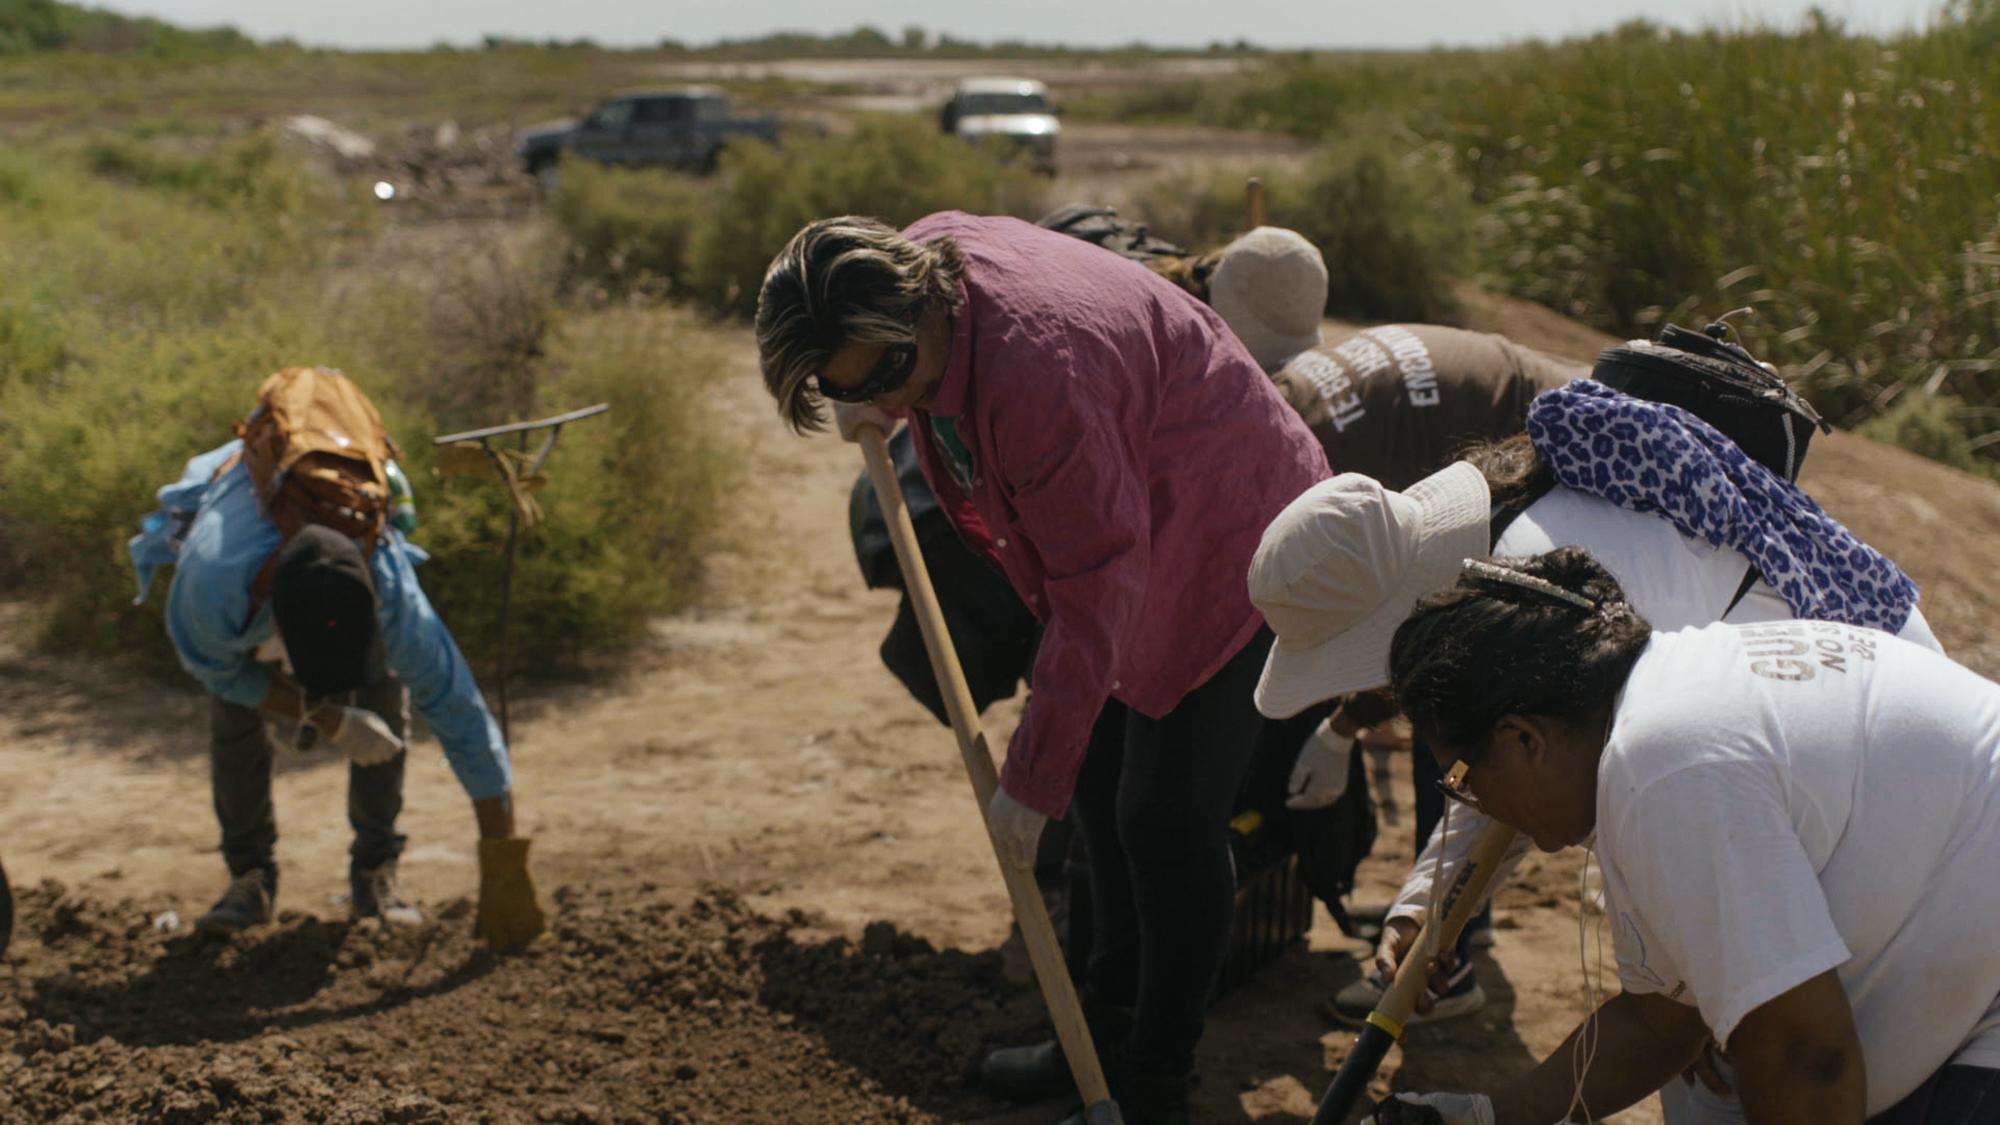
x=894, y=369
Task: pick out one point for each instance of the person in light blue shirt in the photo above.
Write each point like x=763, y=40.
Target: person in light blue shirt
x=342, y=648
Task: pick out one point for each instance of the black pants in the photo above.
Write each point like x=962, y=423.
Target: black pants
x=1154, y=800
x=1955, y=1095
x=239, y=769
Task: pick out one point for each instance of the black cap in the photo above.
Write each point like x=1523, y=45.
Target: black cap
x=323, y=600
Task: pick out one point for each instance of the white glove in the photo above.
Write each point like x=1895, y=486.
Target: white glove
x=1016, y=829
x=849, y=417
x=364, y=737
x=1452, y=1109
x=1320, y=776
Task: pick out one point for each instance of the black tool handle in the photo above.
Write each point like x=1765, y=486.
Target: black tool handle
x=1351, y=1082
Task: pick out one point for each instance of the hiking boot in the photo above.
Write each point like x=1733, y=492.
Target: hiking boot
x=246, y=903
x=1033, y=1073
x=377, y=894
x=1462, y=996
x=1041, y=1071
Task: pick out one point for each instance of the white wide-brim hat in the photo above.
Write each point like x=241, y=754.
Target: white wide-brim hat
x=1342, y=566
x=1270, y=288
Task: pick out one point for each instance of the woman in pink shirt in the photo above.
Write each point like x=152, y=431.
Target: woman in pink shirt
x=1101, y=437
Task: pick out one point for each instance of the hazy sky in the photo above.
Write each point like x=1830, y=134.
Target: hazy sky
x=1276, y=23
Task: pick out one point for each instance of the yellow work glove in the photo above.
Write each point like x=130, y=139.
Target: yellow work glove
x=509, y=917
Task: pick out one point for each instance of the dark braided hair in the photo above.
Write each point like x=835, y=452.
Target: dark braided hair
x=1488, y=648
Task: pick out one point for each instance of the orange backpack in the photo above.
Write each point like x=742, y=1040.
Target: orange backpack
x=318, y=454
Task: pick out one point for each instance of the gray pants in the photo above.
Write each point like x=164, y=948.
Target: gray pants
x=240, y=755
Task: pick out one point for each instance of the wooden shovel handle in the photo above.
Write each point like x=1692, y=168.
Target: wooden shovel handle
x=1058, y=992
x=1386, y=1023
x=1462, y=897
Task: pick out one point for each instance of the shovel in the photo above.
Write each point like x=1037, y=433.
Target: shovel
x=1036, y=930
x=1386, y=1022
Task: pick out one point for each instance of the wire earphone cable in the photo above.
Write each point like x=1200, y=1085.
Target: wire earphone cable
x=1585, y=1052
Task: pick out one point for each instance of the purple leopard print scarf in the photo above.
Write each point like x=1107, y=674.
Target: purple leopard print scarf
x=1657, y=459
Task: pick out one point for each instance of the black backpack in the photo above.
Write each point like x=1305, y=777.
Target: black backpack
x=1723, y=385
x=1718, y=382
x=1101, y=226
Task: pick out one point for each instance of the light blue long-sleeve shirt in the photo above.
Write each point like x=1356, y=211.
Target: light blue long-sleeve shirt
x=217, y=623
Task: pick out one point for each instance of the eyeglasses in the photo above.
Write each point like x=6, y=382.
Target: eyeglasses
x=1452, y=785
x=889, y=374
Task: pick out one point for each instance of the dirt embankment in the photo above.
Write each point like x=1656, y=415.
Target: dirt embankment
x=636, y=1009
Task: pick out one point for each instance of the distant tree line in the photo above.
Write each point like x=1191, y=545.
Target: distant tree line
x=50, y=25
x=871, y=42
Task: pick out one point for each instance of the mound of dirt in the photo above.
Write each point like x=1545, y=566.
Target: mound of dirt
x=635, y=1009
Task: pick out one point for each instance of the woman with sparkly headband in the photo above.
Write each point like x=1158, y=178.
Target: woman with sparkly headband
x=1686, y=515
x=1797, y=822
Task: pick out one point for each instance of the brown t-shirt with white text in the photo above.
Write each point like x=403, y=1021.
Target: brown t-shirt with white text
x=1399, y=401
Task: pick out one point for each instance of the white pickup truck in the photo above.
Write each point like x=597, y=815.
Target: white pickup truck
x=1013, y=110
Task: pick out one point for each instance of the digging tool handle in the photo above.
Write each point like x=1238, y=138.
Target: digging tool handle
x=1386, y=1022
x=1253, y=202
x=1038, y=933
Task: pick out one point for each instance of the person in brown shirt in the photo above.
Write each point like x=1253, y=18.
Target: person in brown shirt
x=1398, y=401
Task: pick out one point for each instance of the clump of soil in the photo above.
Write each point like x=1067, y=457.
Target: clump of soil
x=635, y=1008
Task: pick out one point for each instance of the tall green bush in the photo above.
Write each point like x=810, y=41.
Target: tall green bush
x=1842, y=187
x=1926, y=424
x=634, y=504
x=629, y=229
x=113, y=373
x=712, y=239
x=1395, y=223
x=894, y=168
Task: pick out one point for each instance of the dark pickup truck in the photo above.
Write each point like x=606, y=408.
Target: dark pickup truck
x=684, y=128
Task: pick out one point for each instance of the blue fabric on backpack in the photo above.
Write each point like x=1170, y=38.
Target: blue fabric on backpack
x=1657, y=459
x=158, y=543
x=161, y=532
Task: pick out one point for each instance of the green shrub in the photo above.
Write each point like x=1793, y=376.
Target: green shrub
x=155, y=240
x=1930, y=425
x=488, y=319
x=1394, y=221
x=712, y=239
x=628, y=229
x=634, y=504
x=1203, y=208
x=252, y=177
x=32, y=347
x=1841, y=186
x=47, y=25
x=117, y=371
x=82, y=455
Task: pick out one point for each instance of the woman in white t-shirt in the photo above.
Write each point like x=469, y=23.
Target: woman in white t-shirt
x=1342, y=564
x=1675, y=510
x=1798, y=824
x=1674, y=581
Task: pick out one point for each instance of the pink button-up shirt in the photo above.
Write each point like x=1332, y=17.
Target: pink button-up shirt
x=1104, y=437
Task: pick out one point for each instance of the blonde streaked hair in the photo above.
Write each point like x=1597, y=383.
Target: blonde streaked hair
x=839, y=281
